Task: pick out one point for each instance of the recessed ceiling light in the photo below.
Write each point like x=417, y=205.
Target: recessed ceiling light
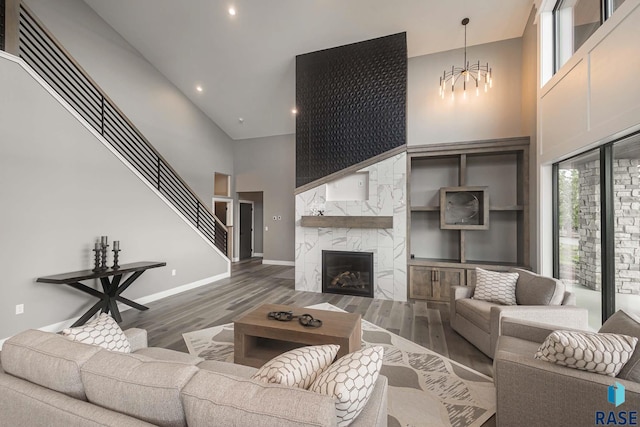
x=232, y=11
x=294, y=111
x=240, y=120
x=199, y=88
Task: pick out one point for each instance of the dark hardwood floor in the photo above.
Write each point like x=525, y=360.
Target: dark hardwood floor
x=251, y=283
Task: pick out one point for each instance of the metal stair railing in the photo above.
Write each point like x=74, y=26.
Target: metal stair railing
x=44, y=53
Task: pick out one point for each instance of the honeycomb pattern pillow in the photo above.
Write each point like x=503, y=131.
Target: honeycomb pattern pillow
x=604, y=354
x=102, y=331
x=350, y=381
x=299, y=367
x=494, y=286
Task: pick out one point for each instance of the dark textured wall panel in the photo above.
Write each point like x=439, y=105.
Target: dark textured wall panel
x=2, y=25
x=351, y=103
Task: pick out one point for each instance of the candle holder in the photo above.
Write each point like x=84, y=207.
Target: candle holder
x=96, y=259
x=115, y=259
x=103, y=264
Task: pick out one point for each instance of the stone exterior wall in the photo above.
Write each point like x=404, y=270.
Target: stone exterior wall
x=627, y=225
x=627, y=215
x=589, y=246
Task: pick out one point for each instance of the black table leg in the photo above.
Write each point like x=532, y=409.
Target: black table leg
x=131, y=303
x=93, y=310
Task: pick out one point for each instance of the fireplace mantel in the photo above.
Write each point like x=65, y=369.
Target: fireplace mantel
x=347, y=221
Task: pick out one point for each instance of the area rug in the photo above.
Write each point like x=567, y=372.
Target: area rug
x=425, y=388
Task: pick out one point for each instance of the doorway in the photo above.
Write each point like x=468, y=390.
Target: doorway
x=246, y=229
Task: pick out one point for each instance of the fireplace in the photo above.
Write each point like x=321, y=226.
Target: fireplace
x=347, y=273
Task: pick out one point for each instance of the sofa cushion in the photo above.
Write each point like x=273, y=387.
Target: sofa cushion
x=533, y=289
x=49, y=360
x=213, y=398
x=350, y=381
x=623, y=323
x=167, y=355
x=138, y=386
x=517, y=346
x=298, y=367
x=102, y=331
x=604, y=354
x=495, y=286
x=476, y=311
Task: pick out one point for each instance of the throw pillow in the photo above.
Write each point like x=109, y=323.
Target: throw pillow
x=102, y=331
x=623, y=323
x=604, y=354
x=350, y=381
x=299, y=367
x=494, y=286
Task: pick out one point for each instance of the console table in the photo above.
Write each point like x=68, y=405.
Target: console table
x=112, y=285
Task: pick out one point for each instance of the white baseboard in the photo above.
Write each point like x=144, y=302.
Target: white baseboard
x=258, y=254
x=276, y=262
x=236, y=259
x=55, y=327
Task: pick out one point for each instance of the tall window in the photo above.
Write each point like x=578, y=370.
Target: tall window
x=579, y=232
x=597, y=228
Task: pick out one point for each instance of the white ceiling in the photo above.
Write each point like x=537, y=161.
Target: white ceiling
x=246, y=62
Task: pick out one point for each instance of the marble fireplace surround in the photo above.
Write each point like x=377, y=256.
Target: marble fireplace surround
x=387, y=183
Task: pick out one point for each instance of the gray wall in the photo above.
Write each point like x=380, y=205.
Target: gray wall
x=258, y=218
x=193, y=144
x=495, y=114
x=268, y=165
x=61, y=189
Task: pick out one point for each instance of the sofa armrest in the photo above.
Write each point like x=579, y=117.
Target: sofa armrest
x=460, y=292
x=137, y=338
x=561, y=317
x=526, y=330
x=534, y=392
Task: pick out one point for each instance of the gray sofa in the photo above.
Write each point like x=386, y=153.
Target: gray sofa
x=538, y=298
x=48, y=380
x=533, y=392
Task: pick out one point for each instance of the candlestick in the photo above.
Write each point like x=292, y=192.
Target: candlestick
x=103, y=252
x=115, y=257
x=96, y=261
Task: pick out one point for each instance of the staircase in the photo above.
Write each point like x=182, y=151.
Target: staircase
x=41, y=51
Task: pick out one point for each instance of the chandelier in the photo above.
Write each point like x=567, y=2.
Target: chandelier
x=470, y=74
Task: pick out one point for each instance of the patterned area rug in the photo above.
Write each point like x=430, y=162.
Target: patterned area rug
x=425, y=388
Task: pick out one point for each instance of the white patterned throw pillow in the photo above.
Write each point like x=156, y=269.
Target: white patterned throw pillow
x=350, y=381
x=604, y=354
x=494, y=286
x=102, y=331
x=299, y=367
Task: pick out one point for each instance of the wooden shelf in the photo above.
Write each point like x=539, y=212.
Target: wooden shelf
x=507, y=208
x=425, y=208
x=347, y=221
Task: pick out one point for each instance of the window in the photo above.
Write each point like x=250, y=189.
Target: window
x=579, y=232
x=597, y=228
x=574, y=21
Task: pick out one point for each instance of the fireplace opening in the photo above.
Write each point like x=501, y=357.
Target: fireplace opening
x=347, y=273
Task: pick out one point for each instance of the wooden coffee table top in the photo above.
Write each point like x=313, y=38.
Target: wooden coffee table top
x=253, y=328
x=334, y=324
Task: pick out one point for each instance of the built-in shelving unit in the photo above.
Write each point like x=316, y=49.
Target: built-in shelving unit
x=446, y=252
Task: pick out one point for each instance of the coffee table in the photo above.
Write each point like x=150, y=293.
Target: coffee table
x=257, y=339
